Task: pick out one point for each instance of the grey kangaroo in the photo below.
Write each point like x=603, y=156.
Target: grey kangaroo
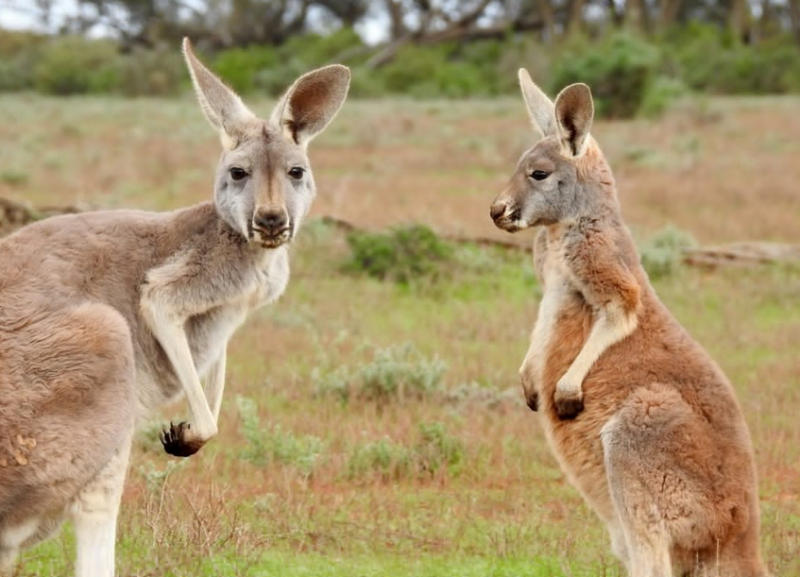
x=106, y=316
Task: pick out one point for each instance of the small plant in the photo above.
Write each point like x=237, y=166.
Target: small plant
x=662, y=254
x=381, y=458
x=403, y=255
x=437, y=450
x=394, y=373
x=273, y=445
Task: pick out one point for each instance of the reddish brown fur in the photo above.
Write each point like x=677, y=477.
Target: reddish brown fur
x=661, y=450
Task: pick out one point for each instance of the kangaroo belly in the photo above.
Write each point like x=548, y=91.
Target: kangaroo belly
x=575, y=443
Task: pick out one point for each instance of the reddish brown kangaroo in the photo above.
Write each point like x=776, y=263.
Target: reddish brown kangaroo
x=641, y=419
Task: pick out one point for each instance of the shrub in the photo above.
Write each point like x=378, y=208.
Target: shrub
x=404, y=255
x=383, y=458
x=437, y=450
x=240, y=67
x=712, y=59
x=662, y=254
x=273, y=445
x=394, y=373
x=661, y=94
x=619, y=71
x=74, y=65
x=155, y=72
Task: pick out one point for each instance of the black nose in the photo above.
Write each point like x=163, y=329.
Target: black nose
x=271, y=220
x=497, y=210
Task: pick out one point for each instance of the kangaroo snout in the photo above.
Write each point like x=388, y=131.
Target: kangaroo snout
x=272, y=226
x=497, y=210
x=506, y=215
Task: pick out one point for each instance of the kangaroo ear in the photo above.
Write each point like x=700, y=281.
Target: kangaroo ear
x=312, y=102
x=222, y=106
x=540, y=107
x=574, y=115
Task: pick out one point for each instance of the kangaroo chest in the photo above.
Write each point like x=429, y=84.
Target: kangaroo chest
x=209, y=333
x=559, y=292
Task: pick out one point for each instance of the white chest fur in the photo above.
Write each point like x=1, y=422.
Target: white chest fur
x=558, y=288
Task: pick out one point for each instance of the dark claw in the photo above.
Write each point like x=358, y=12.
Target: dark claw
x=175, y=442
x=569, y=409
x=533, y=401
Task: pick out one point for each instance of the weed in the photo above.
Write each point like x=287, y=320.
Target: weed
x=437, y=449
x=395, y=373
x=273, y=445
x=434, y=451
x=404, y=255
x=14, y=177
x=662, y=253
x=382, y=458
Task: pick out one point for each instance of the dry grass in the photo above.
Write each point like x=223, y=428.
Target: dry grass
x=724, y=171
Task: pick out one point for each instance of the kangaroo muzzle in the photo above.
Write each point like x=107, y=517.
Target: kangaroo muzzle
x=272, y=226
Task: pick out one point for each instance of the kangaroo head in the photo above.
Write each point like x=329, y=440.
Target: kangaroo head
x=548, y=184
x=263, y=186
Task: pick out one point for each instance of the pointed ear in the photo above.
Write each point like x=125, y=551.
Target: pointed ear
x=574, y=115
x=312, y=102
x=222, y=106
x=540, y=107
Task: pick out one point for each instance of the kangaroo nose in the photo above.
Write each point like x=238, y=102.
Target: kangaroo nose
x=497, y=210
x=272, y=220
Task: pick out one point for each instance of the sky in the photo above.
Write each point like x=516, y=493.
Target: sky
x=23, y=15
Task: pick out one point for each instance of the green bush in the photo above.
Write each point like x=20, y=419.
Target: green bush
x=75, y=65
x=437, y=449
x=154, y=72
x=619, y=71
x=240, y=67
x=662, y=253
x=662, y=93
x=711, y=59
x=273, y=445
x=271, y=70
x=383, y=458
x=403, y=255
x=434, y=450
x=394, y=374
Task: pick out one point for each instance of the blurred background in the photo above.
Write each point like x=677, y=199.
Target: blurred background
x=373, y=424
x=644, y=52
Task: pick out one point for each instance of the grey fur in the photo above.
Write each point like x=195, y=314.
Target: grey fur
x=100, y=311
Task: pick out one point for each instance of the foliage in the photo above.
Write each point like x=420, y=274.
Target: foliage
x=713, y=60
x=619, y=71
x=383, y=458
x=273, y=444
x=437, y=449
x=156, y=72
x=662, y=253
x=74, y=65
x=404, y=255
x=394, y=374
x=434, y=451
x=628, y=73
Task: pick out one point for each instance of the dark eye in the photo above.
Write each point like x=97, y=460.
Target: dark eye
x=238, y=173
x=297, y=172
x=539, y=174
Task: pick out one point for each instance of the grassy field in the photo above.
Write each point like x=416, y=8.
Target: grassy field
x=453, y=477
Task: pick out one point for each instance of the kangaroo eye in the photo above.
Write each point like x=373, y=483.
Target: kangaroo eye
x=297, y=172
x=238, y=173
x=539, y=174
